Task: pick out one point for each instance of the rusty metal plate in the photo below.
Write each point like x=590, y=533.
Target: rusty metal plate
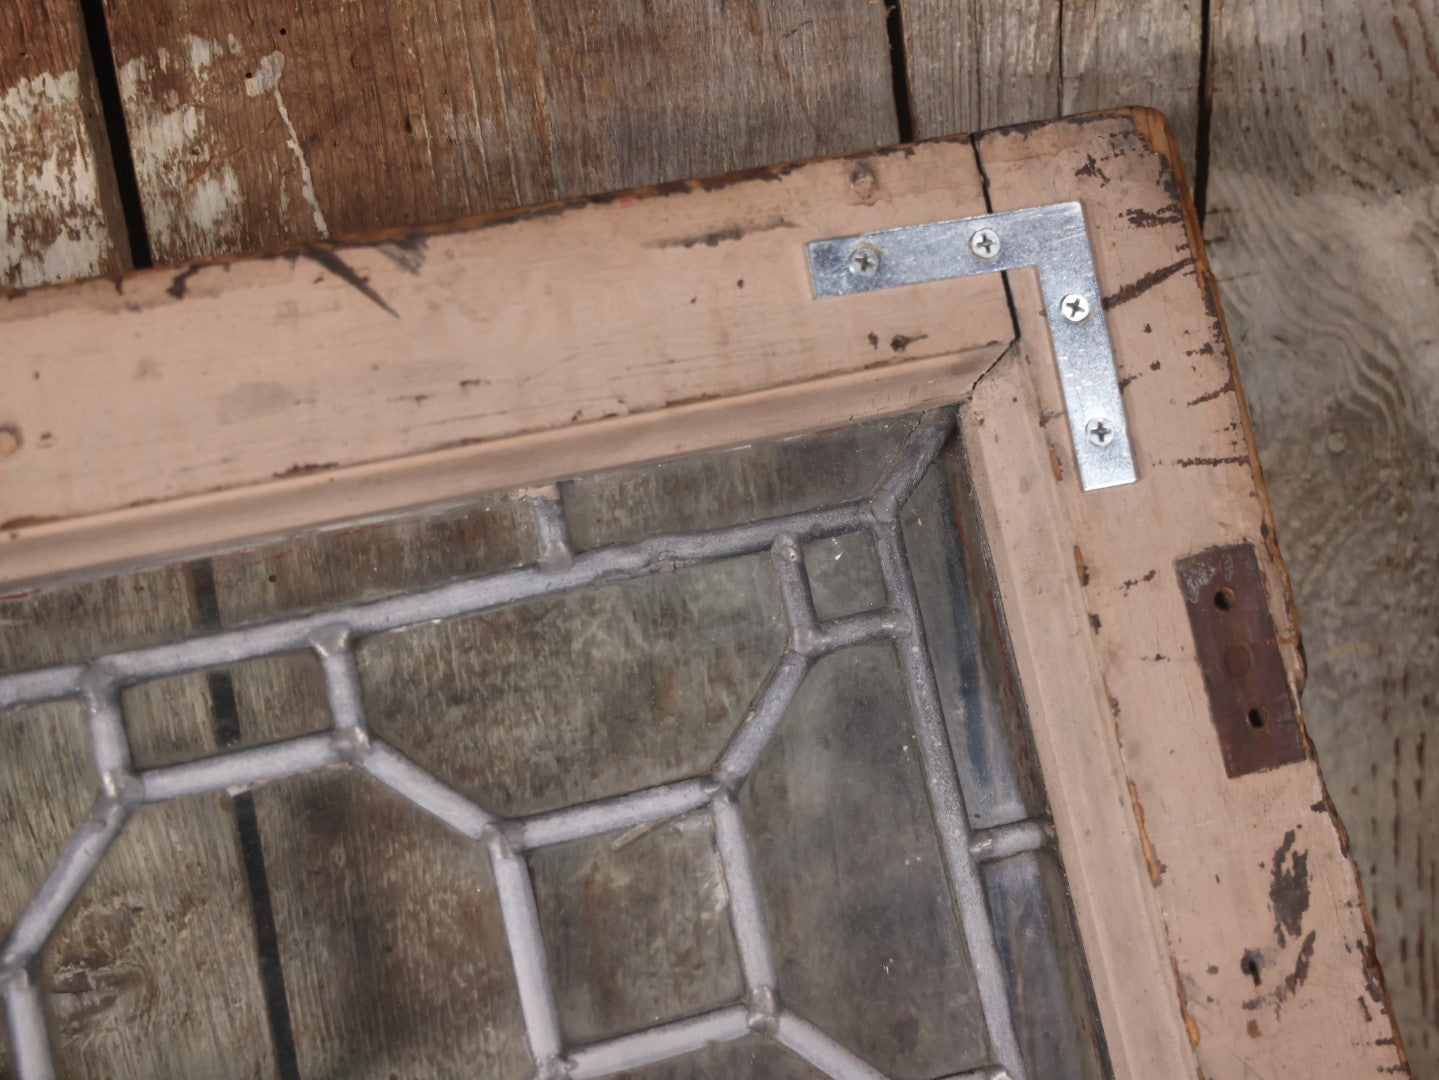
x=1234, y=640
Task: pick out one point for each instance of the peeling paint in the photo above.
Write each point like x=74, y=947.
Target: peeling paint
x=1151, y=860
x=266, y=80
x=52, y=226
x=202, y=52
x=191, y=196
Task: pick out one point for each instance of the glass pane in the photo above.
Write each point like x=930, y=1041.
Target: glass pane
x=389, y=930
x=583, y=695
x=47, y=783
x=637, y=928
x=997, y=766
x=1047, y=986
x=867, y=940
x=844, y=575
x=752, y=1057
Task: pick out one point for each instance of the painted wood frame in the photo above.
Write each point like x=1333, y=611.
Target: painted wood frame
x=1222, y=917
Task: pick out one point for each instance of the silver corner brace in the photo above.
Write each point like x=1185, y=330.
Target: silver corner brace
x=1053, y=240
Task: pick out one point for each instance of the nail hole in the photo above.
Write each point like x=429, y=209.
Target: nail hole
x=1257, y=718
x=282, y=31
x=1224, y=599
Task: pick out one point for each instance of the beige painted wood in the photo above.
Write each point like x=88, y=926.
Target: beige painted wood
x=1250, y=867
x=984, y=63
x=556, y=324
x=59, y=212
x=283, y=125
x=1323, y=223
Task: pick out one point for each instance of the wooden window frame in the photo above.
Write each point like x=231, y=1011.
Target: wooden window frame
x=168, y=411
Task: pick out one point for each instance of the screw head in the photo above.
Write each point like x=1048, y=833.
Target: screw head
x=985, y=243
x=1100, y=431
x=864, y=260
x=1075, y=307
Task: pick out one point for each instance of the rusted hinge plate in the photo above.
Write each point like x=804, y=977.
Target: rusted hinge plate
x=1234, y=640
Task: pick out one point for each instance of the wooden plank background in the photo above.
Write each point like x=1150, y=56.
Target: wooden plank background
x=1315, y=163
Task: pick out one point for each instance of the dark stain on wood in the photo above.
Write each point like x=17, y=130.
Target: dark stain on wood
x=1227, y=388
x=330, y=259
x=716, y=237
x=1190, y=462
x=1289, y=889
x=1143, y=284
x=1092, y=170
x=1140, y=218
x=900, y=342
x=306, y=469
x=1251, y=963
x=178, y=285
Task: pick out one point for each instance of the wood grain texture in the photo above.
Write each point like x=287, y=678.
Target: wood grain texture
x=615, y=312
x=59, y=211
x=281, y=126
x=154, y=970
x=1117, y=53
x=1266, y=970
x=47, y=783
x=1323, y=223
x=979, y=64
x=389, y=934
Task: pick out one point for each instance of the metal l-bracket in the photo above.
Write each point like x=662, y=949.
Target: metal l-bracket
x=1053, y=240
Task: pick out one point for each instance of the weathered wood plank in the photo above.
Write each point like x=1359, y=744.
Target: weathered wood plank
x=271, y=129
x=1323, y=222
x=1117, y=53
x=986, y=63
x=980, y=64
x=1083, y=587
x=60, y=215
